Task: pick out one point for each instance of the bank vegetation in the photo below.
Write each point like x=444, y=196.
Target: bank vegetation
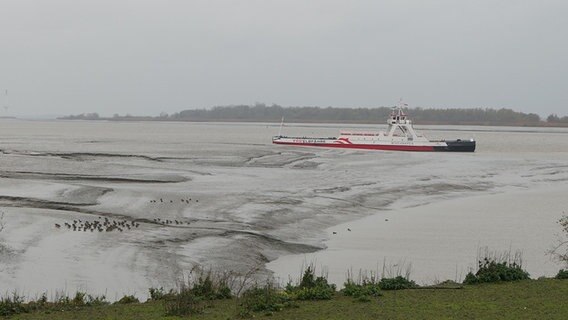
x=275, y=113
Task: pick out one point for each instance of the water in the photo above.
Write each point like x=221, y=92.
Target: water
x=253, y=202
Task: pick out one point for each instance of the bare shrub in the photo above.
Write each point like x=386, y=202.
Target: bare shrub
x=560, y=251
x=200, y=286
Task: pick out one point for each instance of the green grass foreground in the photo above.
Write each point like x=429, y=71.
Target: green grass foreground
x=528, y=299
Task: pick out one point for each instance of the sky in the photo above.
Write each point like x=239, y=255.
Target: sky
x=145, y=57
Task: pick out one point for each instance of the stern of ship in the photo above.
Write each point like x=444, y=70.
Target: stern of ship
x=458, y=145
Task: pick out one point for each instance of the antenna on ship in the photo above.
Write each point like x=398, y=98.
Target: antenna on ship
x=281, y=124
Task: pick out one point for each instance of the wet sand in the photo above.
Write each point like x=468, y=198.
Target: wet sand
x=247, y=202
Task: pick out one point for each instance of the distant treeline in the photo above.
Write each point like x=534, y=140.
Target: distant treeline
x=555, y=119
x=274, y=113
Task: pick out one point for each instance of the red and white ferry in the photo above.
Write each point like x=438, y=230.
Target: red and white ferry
x=400, y=136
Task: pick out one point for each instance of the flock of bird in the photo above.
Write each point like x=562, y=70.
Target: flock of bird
x=100, y=225
x=161, y=200
x=109, y=225
x=170, y=222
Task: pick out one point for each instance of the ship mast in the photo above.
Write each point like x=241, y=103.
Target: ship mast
x=398, y=119
x=281, y=124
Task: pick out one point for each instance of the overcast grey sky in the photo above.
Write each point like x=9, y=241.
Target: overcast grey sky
x=145, y=57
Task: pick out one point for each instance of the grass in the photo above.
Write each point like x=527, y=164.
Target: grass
x=527, y=299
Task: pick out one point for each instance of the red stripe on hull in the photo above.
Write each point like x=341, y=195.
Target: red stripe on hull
x=361, y=146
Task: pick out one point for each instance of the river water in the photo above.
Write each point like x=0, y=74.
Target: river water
x=232, y=200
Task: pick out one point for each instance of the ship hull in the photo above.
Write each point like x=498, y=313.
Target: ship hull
x=457, y=146
x=445, y=146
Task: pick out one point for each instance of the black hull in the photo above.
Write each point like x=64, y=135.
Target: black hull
x=457, y=146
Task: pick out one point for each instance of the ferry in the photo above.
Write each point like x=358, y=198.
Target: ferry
x=400, y=136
